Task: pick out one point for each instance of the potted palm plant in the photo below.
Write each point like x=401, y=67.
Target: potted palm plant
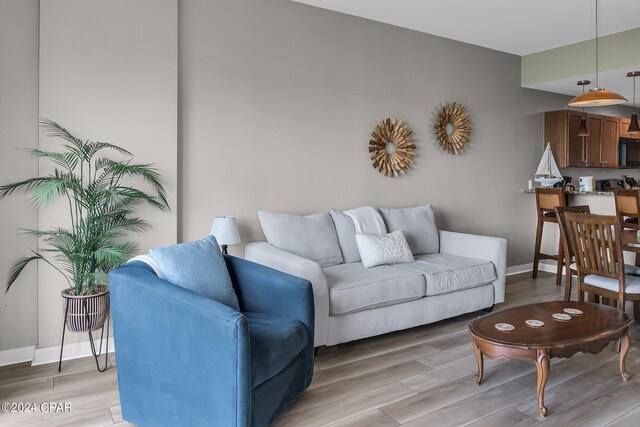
x=102, y=199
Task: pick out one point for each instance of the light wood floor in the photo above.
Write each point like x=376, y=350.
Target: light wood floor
x=419, y=377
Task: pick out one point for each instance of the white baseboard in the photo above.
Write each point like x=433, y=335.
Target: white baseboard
x=17, y=355
x=524, y=268
x=71, y=351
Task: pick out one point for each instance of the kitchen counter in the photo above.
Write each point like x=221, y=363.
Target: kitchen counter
x=578, y=193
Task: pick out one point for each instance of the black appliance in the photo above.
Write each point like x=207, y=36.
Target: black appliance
x=629, y=153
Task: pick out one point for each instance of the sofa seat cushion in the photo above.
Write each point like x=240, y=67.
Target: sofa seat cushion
x=275, y=342
x=446, y=273
x=352, y=287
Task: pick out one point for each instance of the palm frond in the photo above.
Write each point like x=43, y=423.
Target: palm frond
x=17, y=269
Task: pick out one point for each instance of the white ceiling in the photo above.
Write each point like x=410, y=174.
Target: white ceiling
x=520, y=27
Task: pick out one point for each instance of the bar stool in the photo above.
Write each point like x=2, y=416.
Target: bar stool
x=628, y=210
x=546, y=201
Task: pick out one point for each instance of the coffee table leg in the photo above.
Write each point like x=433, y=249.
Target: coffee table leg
x=542, y=366
x=624, y=349
x=478, y=378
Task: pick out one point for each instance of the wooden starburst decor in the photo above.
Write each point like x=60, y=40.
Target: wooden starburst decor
x=455, y=139
x=392, y=147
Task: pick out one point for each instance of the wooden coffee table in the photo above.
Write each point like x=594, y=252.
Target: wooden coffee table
x=589, y=332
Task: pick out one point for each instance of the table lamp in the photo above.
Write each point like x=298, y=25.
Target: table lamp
x=225, y=230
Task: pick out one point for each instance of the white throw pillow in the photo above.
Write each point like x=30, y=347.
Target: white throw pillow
x=379, y=249
x=419, y=226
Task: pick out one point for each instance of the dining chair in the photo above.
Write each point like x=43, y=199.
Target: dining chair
x=597, y=246
x=546, y=201
x=567, y=249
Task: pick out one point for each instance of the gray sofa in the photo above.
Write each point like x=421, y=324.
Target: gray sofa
x=461, y=274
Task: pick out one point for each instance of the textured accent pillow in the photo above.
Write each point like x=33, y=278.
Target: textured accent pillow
x=199, y=267
x=419, y=226
x=378, y=249
x=346, y=230
x=313, y=236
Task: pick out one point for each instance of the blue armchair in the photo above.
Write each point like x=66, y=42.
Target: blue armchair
x=186, y=360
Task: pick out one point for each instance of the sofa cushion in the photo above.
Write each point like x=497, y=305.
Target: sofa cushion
x=446, y=273
x=275, y=342
x=346, y=230
x=379, y=249
x=199, y=267
x=313, y=236
x=354, y=288
x=418, y=224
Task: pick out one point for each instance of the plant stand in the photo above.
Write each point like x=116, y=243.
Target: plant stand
x=96, y=354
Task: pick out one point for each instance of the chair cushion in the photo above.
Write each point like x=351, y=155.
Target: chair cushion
x=632, y=283
x=352, y=287
x=418, y=224
x=446, y=273
x=313, y=236
x=199, y=267
x=628, y=268
x=275, y=342
x=346, y=230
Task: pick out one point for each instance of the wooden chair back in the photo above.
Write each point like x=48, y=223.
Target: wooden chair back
x=596, y=242
x=627, y=206
x=548, y=198
x=561, y=212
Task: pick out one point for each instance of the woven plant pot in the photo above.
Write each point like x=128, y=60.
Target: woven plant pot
x=86, y=312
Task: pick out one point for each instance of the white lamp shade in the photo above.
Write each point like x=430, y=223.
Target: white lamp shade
x=225, y=230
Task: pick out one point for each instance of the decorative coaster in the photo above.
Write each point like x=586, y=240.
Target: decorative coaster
x=504, y=327
x=573, y=311
x=561, y=316
x=534, y=323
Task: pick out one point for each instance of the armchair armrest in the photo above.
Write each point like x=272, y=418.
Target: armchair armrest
x=492, y=249
x=266, y=254
x=172, y=328
x=262, y=289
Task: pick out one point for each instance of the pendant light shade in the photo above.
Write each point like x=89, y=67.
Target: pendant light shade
x=597, y=97
x=583, y=131
x=634, y=126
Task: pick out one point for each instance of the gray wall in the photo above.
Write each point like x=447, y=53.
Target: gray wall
x=18, y=131
x=109, y=72
x=278, y=100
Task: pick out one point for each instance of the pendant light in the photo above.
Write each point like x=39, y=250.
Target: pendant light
x=597, y=96
x=634, y=126
x=583, y=131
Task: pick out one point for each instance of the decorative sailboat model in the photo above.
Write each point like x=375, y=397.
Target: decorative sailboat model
x=548, y=173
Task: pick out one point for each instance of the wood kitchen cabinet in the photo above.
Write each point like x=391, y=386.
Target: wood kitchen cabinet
x=624, y=127
x=598, y=150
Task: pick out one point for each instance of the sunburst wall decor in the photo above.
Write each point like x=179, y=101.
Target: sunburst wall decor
x=455, y=139
x=392, y=147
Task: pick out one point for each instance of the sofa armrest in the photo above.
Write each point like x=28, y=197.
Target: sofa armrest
x=262, y=289
x=183, y=359
x=492, y=249
x=266, y=254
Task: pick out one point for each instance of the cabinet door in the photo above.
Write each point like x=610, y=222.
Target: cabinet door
x=624, y=127
x=577, y=144
x=610, y=136
x=594, y=141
